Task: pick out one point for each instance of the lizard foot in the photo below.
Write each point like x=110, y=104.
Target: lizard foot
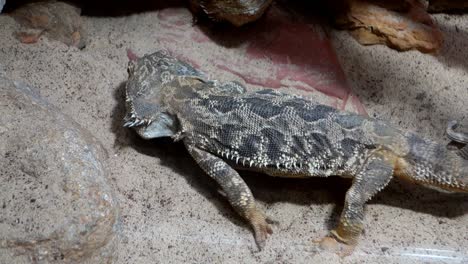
x=331, y=244
x=261, y=226
x=262, y=231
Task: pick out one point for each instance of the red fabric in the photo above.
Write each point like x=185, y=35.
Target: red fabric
x=279, y=50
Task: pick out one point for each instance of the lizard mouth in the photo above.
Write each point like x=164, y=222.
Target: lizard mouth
x=133, y=121
x=140, y=111
x=164, y=125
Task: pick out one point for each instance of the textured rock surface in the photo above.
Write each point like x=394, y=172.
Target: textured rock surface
x=236, y=12
x=56, y=204
x=56, y=20
x=404, y=25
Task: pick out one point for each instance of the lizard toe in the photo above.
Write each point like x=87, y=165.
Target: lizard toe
x=262, y=230
x=272, y=221
x=261, y=225
x=332, y=244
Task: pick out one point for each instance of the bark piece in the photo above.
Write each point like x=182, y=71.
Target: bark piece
x=403, y=26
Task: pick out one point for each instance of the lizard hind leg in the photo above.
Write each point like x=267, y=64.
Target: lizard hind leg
x=373, y=177
x=236, y=191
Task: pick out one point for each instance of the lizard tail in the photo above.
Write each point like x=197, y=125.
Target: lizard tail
x=433, y=165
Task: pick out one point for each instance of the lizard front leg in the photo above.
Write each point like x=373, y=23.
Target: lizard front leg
x=236, y=190
x=373, y=177
x=459, y=138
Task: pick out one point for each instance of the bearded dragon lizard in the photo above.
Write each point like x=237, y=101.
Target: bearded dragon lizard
x=224, y=127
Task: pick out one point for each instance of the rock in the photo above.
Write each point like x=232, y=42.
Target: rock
x=447, y=5
x=402, y=25
x=55, y=201
x=236, y=12
x=56, y=20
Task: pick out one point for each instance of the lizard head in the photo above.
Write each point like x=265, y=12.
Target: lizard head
x=147, y=78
